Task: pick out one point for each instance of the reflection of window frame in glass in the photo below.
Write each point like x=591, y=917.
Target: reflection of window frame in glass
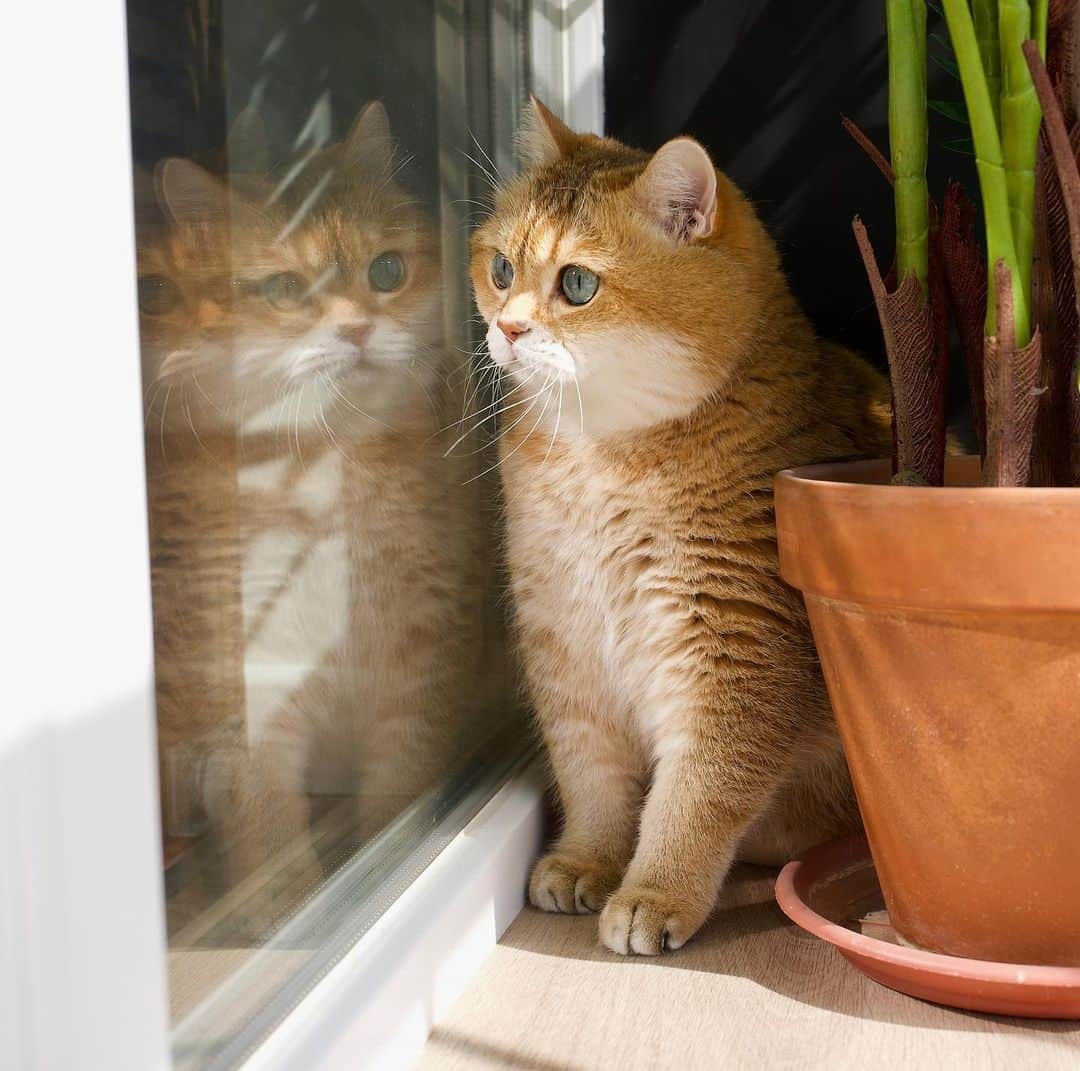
x=82, y=975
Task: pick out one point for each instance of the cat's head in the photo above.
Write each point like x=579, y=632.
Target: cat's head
x=316, y=294
x=634, y=281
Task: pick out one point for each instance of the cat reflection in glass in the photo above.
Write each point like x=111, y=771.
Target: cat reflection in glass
x=297, y=385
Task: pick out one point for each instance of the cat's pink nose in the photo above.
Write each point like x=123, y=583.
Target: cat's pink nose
x=357, y=334
x=512, y=329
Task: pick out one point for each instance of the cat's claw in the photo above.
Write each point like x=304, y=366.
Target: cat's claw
x=646, y=922
x=570, y=886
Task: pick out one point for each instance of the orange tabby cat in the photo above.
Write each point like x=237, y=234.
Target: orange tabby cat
x=294, y=342
x=660, y=374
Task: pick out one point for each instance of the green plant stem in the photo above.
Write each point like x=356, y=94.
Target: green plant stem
x=1039, y=17
x=988, y=161
x=985, y=15
x=1020, y=120
x=906, y=23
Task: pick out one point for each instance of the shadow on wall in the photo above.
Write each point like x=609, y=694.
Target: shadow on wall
x=763, y=84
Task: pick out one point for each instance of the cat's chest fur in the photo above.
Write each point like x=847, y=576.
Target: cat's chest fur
x=592, y=556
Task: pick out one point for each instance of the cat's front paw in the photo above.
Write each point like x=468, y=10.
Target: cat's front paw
x=572, y=886
x=648, y=921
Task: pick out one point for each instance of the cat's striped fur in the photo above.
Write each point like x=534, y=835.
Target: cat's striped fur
x=672, y=671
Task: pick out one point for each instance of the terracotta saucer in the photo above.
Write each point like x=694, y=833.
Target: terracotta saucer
x=833, y=892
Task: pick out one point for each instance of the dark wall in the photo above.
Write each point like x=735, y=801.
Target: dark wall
x=763, y=84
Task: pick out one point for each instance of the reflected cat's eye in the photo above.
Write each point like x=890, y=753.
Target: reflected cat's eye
x=285, y=290
x=579, y=284
x=502, y=272
x=386, y=272
x=158, y=294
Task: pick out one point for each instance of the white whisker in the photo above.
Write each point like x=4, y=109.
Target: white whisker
x=581, y=408
x=528, y=436
x=484, y=153
x=486, y=418
x=484, y=413
x=554, y=434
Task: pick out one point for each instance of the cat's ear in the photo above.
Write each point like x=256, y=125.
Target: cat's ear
x=190, y=194
x=147, y=203
x=369, y=146
x=678, y=190
x=543, y=136
x=247, y=145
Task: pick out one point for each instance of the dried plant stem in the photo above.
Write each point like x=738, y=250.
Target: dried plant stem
x=862, y=139
x=906, y=24
x=1012, y=393
x=1060, y=146
x=915, y=369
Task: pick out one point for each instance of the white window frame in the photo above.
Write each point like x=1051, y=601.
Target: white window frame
x=82, y=955
x=82, y=934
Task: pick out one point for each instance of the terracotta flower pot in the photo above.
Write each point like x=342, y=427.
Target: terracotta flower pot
x=948, y=625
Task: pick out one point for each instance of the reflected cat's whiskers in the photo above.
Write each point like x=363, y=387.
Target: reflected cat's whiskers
x=164, y=407
x=329, y=380
x=209, y=401
x=410, y=371
x=296, y=425
x=187, y=412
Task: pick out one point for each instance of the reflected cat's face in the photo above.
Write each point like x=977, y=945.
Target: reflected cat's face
x=317, y=301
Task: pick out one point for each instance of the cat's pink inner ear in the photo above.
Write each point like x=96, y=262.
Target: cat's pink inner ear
x=678, y=190
x=543, y=136
x=369, y=146
x=189, y=193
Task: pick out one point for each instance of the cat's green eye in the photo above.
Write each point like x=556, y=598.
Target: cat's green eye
x=158, y=294
x=284, y=290
x=502, y=272
x=579, y=284
x=386, y=272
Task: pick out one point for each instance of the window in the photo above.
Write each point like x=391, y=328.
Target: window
x=333, y=689
x=299, y=913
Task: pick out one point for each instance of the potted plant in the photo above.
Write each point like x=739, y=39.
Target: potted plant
x=944, y=593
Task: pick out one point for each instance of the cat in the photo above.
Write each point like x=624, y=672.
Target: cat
x=300, y=321
x=660, y=374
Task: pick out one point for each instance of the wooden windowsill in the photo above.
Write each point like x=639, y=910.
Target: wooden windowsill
x=750, y=991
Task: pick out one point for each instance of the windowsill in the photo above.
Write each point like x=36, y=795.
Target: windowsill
x=751, y=990
x=377, y=1004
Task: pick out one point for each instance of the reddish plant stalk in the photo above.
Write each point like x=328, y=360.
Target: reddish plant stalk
x=1012, y=393
x=1069, y=180
x=912, y=338
x=862, y=139
x=965, y=273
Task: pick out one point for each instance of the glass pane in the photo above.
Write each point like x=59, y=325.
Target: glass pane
x=332, y=681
